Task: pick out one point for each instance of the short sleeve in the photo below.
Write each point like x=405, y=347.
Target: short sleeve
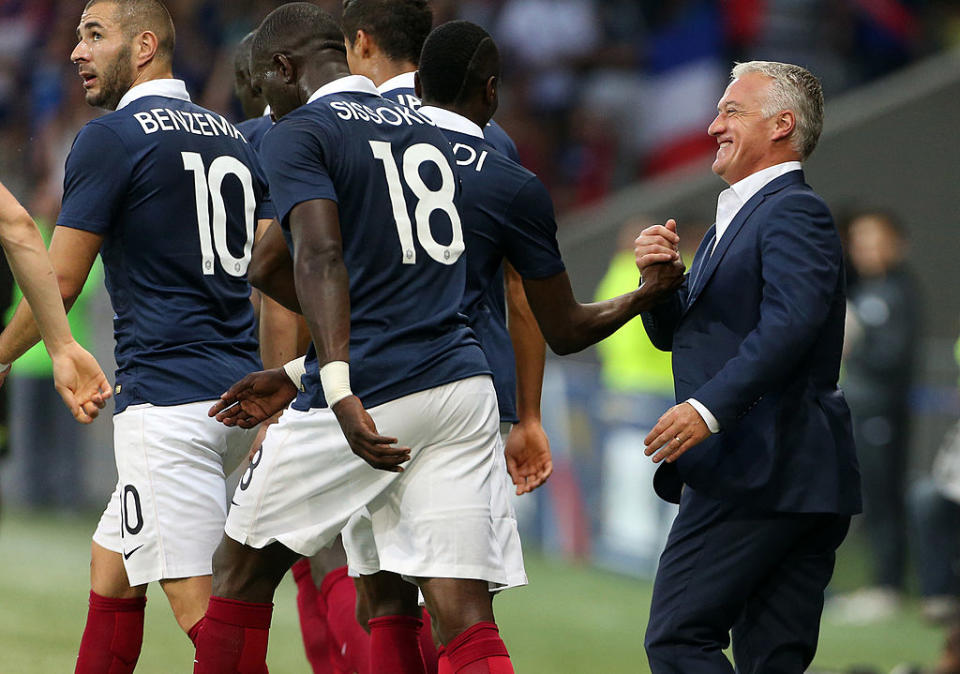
x=501, y=141
x=293, y=156
x=95, y=180
x=530, y=241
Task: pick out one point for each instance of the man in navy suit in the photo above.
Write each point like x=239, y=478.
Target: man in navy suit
x=759, y=452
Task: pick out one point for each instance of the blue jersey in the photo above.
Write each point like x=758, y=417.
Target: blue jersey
x=392, y=175
x=173, y=189
x=254, y=129
x=507, y=214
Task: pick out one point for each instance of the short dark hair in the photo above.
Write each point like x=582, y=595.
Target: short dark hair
x=399, y=27
x=295, y=27
x=137, y=16
x=457, y=57
x=241, y=57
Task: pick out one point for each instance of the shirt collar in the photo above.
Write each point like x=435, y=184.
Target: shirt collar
x=401, y=81
x=349, y=84
x=451, y=121
x=754, y=182
x=167, y=87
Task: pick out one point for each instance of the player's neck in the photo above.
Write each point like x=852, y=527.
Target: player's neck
x=319, y=74
x=380, y=69
x=152, y=72
x=473, y=111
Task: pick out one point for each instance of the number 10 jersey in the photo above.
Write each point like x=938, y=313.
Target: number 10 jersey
x=175, y=190
x=392, y=174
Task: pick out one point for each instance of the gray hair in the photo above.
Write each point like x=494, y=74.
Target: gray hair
x=796, y=89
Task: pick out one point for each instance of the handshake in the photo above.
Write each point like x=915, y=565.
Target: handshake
x=658, y=258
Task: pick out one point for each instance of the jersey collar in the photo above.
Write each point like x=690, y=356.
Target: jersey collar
x=350, y=83
x=401, y=81
x=451, y=121
x=168, y=88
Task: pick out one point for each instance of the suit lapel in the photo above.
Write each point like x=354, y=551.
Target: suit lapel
x=734, y=227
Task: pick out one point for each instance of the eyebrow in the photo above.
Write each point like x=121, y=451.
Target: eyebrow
x=726, y=104
x=87, y=25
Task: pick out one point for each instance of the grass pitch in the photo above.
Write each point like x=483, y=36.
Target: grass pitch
x=569, y=620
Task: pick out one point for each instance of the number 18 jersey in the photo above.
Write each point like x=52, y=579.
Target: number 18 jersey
x=392, y=174
x=174, y=189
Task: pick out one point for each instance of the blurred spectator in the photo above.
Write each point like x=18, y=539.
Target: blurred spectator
x=48, y=449
x=880, y=352
x=935, y=527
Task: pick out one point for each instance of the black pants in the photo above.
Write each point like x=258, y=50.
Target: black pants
x=760, y=575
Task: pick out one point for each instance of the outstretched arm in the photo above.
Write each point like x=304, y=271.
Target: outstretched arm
x=323, y=289
x=77, y=376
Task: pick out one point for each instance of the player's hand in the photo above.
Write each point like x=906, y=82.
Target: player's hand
x=664, y=277
x=680, y=428
x=656, y=244
x=528, y=456
x=254, y=399
x=361, y=432
x=80, y=382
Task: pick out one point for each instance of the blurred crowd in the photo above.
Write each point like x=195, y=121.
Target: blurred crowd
x=597, y=93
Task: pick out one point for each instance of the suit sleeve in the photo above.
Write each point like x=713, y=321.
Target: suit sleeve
x=800, y=267
x=661, y=321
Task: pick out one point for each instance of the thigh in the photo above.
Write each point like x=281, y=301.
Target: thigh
x=167, y=513
x=777, y=630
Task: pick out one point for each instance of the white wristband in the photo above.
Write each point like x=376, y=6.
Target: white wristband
x=295, y=369
x=4, y=367
x=335, y=379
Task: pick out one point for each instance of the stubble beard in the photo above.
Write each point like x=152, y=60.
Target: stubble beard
x=115, y=80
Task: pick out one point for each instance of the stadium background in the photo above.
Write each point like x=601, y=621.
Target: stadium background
x=608, y=101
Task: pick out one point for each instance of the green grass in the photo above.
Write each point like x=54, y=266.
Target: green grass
x=569, y=620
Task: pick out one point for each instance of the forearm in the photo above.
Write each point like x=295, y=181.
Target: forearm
x=34, y=274
x=271, y=267
x=279, y=334
x=529, y=347
x=324, y=294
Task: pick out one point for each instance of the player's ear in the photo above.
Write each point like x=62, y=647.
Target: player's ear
x=417, y=86
x=491, y=93
x=285, y=68
x=361, y=44
x=145, y=47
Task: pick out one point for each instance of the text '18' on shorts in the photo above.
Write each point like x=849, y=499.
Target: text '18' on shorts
x=439, y=518
x=167, y=512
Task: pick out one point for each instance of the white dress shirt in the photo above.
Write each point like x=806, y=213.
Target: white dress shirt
x=729, y=203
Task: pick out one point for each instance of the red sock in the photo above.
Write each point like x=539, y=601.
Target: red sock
x=395, y=645
x=427, y=647
x=351, y=644
x=113, y=635
x=194, y=632
x=443, y=662
x=479, y=650
x=234, y=638
x=317, y=640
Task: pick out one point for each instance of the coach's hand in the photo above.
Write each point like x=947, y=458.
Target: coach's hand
x=527, y=451
x=680, y=428
x=360, y=431
x=254, y=399
x=657, y=244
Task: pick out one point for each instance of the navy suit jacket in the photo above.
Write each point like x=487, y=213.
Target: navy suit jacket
x=756, y=332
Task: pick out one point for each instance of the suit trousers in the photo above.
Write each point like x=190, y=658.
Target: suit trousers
x=758, y=575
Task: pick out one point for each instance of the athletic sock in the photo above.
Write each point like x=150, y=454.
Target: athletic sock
x=395, y=645
x=443, y=662
x=479, y=650
x=112, y=637
x=194, y=632
x=427, y=647
x=317, y=640
x=351, y=644
x=234, y=638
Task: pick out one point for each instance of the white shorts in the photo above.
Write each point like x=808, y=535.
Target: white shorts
x=361, y=548
x=167, y=513
x=433, y=520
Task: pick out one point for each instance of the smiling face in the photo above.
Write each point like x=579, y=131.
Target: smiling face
x=103, y=56
x=746, y=139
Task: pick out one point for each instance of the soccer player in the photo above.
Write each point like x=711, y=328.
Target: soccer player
x=76, y=374
x=256, y=115
x=386, y=299
x=167, y=192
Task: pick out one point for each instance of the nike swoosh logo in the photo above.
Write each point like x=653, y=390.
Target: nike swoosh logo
x=232, y=502
x=127, y=555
